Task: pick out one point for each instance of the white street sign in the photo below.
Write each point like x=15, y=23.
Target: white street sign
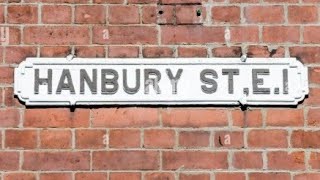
x=198, y=81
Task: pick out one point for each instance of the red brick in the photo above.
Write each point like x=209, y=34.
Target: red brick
x=302, y=14
x=59, y=1
x=91, y=176
x=314, y=160
x=9, y=161
x=9, y=98
x=181, y=1
x=313, y=117
x=194, y=176
x=243, y=34
x=305, y=139
x=314, y=97
x=263, y=51
x=142, y=1
x=124, y=138
x=56, y=161
x=307, y=176
x=90, y=139
x=186, y=14
x=123, y=52
x=9, y=117
x=251, y=118
x=157, y=52
x=226, y=14
x=173, y=160
x=55, y=139
x=166, y=15
x=125, y=160
x=125, y=35
x=314, y=75
x=55, y=51
x=194, y=117
x=159, y=176
x=53, y=176
x=56, y=14
x=17, y=54
x=188, y=52
x=228, y=139
x=267, y=176
x=123, y=176
x=230, y=176
x=227, y=51
x=281, y=160
x=56, y=35
x=90, y=52
x=311, y=34
x=22, y=14
x=56, y=117
x=19, y=176
x=281, y=34
x=267, y=138
x=285, y=117
x=306, y=54
x=264, y=14
x=247, y=160
x=280, y=1
x=124, y=15
x=244, y=1
x=1, y=14
x=14, y=35
x=108, y=1
x=90, y=14
x=191, y=34
x=6, y=75
x=149, y=14
x=159, y=138
x=193, y=139
x=17, y=139
x=125, y=117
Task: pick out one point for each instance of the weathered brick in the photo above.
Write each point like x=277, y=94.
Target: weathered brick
x=6, y=75
x=226, y=14
x=125, y=117
x=187, y=14
x=124, y=138
x=123, y=51
x=56, y=14
x=17, y=54
x=22, y=14
x=267, y=138
x=311, y=34
x=305, y=139
x=21, y=139
x=193, y=139
x=241, y=34
x=157, y=52
x=159, y=138
x=9, y=117
x=251, y=118
x=54, y=51
x=188, y=52
x=228, y=139
x=194, y=117
x=53, y=176
x=264, y=14
x=285, y=117
x=91, y=175
x=125, y=160
x=159, y=176
x=122, y=176
x=19, y=176
x=263, y=51
x=191, y=34
x=314, y=75
x=173, y=160
x=90, y=52
x=282, y=160
x=281, y=34
x=313, y=117
x=227, y=51
x=230, y=176
x=56, y=161
x=204, y=176
x=56, y=35
x=267, y=176
x=124, y=15
x=55, y=139
x=90, y=14
x=302, y=14
x=314, y=160
x=307, y=176
x=56, y=117
x=247, y=160
x=9, y=161
x=90, y=139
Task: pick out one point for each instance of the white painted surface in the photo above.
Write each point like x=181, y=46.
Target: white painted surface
x=189, y=90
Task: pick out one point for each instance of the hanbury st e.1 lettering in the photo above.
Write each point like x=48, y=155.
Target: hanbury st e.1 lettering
x=217, y=81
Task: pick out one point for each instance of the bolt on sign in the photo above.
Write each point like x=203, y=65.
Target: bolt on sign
x=199, y=81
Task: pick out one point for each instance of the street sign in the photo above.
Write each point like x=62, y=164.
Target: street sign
x=196, y=81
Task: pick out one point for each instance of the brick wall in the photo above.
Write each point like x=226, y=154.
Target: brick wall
x=160, y=143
